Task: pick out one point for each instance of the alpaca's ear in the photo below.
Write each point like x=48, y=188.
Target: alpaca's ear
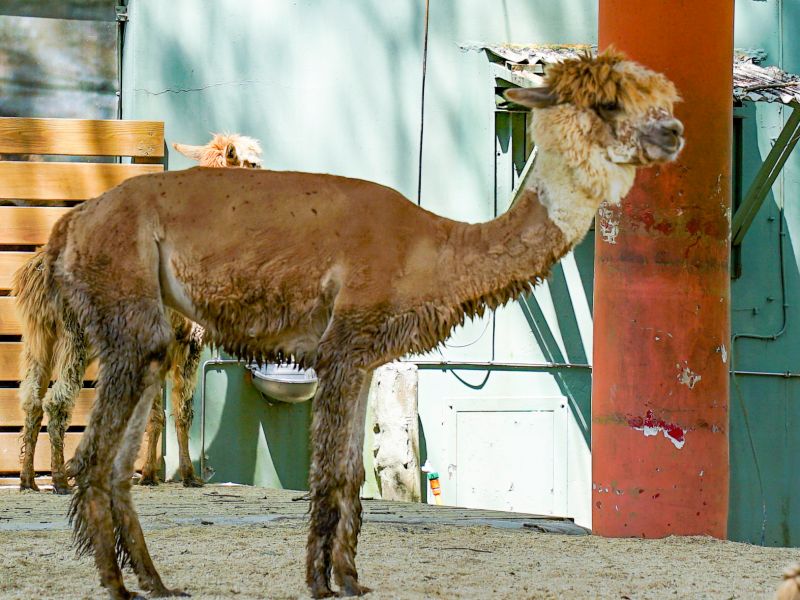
x=536, y=97
x=230, y=154
x=193, y=152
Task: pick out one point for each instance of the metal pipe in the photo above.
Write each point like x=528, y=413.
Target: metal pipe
x=451, y=365
x=433, y=365
x=214, y=361
x=786, y=375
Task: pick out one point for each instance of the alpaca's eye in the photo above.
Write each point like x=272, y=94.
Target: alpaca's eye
x=608, y=106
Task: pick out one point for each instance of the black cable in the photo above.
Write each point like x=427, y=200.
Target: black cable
x=422, y=102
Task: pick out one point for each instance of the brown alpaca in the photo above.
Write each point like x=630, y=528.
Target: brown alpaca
x=55, y=342
x=340, y=274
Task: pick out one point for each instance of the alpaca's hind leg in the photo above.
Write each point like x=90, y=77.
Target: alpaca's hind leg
x=36, y=364
x=132, y=361
x=130, y=539
x=119, y=387
x=186, y=359
x=155, y=427
x=337, y=472
x=71, y=358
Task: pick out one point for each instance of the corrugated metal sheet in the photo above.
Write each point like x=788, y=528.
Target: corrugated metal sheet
x=751, y=80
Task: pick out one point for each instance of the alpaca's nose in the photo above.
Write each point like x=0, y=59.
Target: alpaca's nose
x=673, y=127
x=667, y=134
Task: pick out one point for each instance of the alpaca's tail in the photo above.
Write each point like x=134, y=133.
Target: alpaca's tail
x=790, y=588
x=38, y=302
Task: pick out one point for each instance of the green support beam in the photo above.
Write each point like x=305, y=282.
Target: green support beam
x=788, y=138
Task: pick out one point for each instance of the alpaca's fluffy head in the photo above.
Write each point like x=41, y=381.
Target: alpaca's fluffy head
x=225, y=150
x=605, y=102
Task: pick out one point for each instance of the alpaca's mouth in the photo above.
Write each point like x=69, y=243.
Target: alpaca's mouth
x=664, y=141
x=663, y=152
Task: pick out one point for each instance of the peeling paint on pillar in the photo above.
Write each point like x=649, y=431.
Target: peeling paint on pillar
x=608, y=222
x=659, y=401
x=650, y=425
x=687, y=377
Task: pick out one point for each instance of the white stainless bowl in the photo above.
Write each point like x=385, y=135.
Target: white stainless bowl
x=286, y=383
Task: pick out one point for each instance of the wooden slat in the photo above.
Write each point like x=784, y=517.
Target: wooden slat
x=81, y=137
x=10, y=448
x=64, y=181
x=9, y=323
x=9, y=263
x=11, y=414
x=27, y=225
x=9, y=451
x=9, y=363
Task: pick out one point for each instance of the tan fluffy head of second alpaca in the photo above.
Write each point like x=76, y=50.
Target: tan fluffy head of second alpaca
x=597, y=119
x=225, y=150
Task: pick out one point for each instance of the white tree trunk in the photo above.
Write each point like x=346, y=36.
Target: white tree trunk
x=393, y=404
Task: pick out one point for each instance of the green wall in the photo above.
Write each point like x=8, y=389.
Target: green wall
x=765, y=413
x=334, y=86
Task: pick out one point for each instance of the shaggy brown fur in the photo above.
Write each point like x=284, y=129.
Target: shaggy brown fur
x=605, y=80
x=339, y=274
x=55, y=342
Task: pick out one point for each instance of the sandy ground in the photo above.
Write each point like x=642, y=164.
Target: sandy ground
x=239, y=542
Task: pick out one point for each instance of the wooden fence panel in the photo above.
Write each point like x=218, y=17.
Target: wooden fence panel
x=81, y=137
x=64, y=181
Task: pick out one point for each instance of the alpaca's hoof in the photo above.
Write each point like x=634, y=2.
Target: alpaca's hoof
x=29, y=485
x=167, y=593
x=353, y=588
x=321, y=589
x=193, y=482
x=62, y=489
x=150, y=480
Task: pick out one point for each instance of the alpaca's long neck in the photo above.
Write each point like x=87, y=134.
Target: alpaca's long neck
x=553, y=212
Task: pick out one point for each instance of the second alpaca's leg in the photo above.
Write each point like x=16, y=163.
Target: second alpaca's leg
x=71, y=359
x=37, y=364
x=155, y=427
x=185, y=360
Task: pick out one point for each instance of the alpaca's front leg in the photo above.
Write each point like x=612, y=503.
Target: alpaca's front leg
x=337, y=472
x=60, y=399
x=346, y=539
x=155, y=427
x=33, y=388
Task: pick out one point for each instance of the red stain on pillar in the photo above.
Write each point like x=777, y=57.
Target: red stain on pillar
x=661, y=308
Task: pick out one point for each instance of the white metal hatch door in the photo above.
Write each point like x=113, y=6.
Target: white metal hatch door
x=507, y=454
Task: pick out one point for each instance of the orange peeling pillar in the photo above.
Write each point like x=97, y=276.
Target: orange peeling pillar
x=662, y=292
